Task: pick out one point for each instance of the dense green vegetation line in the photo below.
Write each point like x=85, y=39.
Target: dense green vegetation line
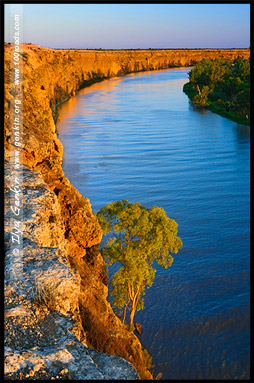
x=222, y=86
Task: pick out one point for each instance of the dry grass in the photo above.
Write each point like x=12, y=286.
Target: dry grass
x=46, y=294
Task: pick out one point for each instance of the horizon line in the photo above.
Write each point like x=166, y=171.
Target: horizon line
x=118, y=49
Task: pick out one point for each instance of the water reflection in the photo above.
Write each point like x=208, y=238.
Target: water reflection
x=242, y=133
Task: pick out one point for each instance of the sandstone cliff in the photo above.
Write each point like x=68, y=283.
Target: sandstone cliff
x=49, y=78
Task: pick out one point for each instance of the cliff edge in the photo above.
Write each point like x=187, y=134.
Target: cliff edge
x=61, y=233
x=44, y=337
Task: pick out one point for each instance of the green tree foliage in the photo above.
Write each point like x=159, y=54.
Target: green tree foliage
x=224, y=83
x=209, y=72
x=201, y=97
x=138, y=237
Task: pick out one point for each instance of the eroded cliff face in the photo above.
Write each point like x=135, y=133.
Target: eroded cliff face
x=44, y=336
x=49, y=78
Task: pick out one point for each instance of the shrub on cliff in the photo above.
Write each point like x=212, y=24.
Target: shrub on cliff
x=138, y=237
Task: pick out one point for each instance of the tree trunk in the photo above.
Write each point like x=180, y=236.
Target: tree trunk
x=132, y=313
x=134, y=306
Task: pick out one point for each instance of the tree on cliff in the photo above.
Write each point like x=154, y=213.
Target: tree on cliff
x=137, y=238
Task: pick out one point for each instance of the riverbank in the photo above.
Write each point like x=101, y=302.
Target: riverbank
x=213, y=107
x=51, y=77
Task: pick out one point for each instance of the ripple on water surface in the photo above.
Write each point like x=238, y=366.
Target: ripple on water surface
x=138, y=138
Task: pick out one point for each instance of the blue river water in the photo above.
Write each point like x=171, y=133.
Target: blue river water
x=137, y=137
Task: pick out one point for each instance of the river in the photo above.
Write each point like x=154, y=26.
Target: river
x=137, y=137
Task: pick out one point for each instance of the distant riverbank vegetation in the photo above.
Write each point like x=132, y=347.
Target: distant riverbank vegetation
x=222, y=86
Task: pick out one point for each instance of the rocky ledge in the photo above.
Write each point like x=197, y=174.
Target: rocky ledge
x=44, y=337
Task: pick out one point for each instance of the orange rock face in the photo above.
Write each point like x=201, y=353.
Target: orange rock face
x=51, y=77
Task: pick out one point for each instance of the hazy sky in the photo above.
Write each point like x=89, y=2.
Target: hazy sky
x=135, y=25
